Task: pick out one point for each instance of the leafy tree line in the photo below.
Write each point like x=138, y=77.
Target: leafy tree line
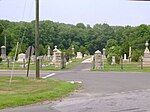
x=86, y=39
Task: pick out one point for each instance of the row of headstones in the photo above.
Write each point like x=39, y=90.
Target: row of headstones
x=57, y=59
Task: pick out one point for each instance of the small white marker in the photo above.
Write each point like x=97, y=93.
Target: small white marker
x=50, y=75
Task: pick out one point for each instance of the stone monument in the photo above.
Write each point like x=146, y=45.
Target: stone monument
x=98, y=59
x=104, y=53
x=3, y=51
x=58, y=59
x=48, y=53
x=146, y=58
x=79, y=55
x=130, y=54
x=113, y=60
x=73, y=50
x=54, y=55
x=125, y=57
x=21, y=57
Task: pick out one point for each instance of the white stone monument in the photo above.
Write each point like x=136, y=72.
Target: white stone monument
x=3, y=51
x=130, y=54
x=79, y=55
x=125, y=57
x=58, y=59
x=21, y=57
x=104, y=53
x=73, y=50
x=54, y=55
x=48, y=53
x=113, y=60
x=98, y=59
x=146, y=58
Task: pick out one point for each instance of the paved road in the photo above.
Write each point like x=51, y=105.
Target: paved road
x=101, y=92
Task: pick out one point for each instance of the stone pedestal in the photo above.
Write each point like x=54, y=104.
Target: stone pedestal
x=58, y=59
x=146, y=58
x=98, y=60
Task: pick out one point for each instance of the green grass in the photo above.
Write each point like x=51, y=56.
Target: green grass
x=17, y=66
x=24, y=91
x=127, y=67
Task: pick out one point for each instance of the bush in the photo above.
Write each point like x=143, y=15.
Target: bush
x=117, y=58
x=136, y=54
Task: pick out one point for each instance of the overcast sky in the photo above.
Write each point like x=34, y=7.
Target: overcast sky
x=113, y=12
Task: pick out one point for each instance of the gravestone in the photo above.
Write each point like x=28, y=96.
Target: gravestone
x=98, y=59
x=113, y=60
x=146, y=58
x=104, y=53
x=48, y=53
x=125, y=57
x=3, y=51
x=54, y=55
x=58, y=59
x=73, y=50
x=79, y=55
x=21, y=57
x=130, y=54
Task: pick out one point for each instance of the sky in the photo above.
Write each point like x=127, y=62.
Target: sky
x=112, y=12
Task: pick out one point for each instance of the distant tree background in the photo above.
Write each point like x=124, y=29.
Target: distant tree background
x=84, y=38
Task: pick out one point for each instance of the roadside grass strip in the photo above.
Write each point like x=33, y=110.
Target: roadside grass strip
x=25, y=91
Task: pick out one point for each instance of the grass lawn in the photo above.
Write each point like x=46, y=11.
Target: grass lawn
x=17, y=66
x=24, y=91
x=127, y=67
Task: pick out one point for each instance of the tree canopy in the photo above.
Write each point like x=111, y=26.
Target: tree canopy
x=84, y=38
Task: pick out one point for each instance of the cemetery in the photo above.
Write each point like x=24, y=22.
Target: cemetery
x=56, y=60
x=50, y=61
x=123, y=64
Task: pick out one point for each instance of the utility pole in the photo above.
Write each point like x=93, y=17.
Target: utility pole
x=37, y=39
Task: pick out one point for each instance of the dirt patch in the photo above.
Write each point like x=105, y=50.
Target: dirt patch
x=4, y=92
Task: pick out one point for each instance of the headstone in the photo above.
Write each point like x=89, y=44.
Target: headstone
x=79, y=55
x=73, y=50
x=113, y=60
x=48, y=53
x=21, y=57
x=104, y=53
x=146, y=58
x=130, y=54
x=3, y=51
x=98, y=60
x=125, y=57
x=54, y=55
x=58, y=59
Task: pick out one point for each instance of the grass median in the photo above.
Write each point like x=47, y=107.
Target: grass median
x=25, y=91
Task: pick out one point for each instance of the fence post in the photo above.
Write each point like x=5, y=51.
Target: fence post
x=7, y=62
x=141, y=62
x=121, y=63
